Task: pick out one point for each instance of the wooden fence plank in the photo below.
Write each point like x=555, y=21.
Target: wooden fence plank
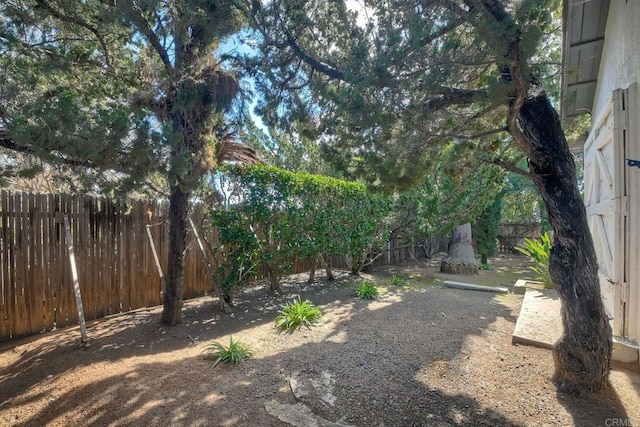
x=5, y=258
x=83, y=254
x=116, y=254
x=123, y=262
x=22, y=260
x=96, y=257
x=51, y=260
x=68, y=300
x=94, y=254
x=137, y=282
x=13, y=274
x=55, y=264
x=47, y=296
x=145, y=258
x=35, y=265
x=108, y=248
x=61, y=265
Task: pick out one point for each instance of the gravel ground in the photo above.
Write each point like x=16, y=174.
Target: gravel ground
x=417, y=356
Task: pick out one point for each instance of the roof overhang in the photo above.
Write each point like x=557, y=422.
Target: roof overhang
x=584, y=23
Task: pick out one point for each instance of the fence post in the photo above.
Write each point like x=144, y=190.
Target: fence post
x=76, y=283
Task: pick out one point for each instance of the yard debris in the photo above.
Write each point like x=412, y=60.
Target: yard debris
x=474, y=287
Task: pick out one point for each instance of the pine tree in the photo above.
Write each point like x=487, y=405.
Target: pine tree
x=128, y=89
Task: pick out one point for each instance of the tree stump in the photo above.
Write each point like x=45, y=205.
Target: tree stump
x=460, y=258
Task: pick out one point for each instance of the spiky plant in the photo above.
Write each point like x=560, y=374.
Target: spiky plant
x=297, y=314
x=235, y=353
x=367, y=290
x=398, y=281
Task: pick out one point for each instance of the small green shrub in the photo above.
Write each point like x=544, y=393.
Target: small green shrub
x=485, y=266
x=367, y=290
x=539, y=251
x=297, y=314
x=398, y=281
x=235, y=353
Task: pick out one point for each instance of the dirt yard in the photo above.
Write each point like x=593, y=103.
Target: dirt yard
x=420, y=355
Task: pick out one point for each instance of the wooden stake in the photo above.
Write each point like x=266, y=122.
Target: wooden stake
x=76, y=283
x=157, y=260
x=225, y=307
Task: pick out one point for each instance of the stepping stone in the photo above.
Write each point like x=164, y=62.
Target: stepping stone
x=540, y=322
x=298, y=415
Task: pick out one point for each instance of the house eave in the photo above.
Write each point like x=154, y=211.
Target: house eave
x=583, y=32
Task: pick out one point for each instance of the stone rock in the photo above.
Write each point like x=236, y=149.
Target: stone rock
x=316, y=388
x=298, y=415
x=299, y=389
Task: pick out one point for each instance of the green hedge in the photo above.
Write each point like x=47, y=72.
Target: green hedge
x=286, y=215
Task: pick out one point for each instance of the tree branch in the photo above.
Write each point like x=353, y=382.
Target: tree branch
x=510, y=168
x=79, y=22
x=158, y=190
x=312, y=62
x=142, y=25
x=8, y=143
x=454, y=96
x=513, y=71
x=475, y=136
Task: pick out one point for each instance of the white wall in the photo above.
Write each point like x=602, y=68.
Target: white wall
x=619, y=69
x=620, y=64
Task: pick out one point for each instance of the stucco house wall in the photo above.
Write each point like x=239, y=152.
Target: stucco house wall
x=620, y=63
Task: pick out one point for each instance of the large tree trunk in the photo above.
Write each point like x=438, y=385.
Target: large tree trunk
x=274, y=280
x=178, y=207
x=460, y=257
x=312, y=272
x=328, y=268
x=583, y=354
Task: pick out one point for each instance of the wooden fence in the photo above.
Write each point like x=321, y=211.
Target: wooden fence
x=511, y=235
x=113, y=253
x=116, y=266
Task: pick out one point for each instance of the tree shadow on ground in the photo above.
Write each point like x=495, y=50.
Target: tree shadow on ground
x=604, y=408
x=379, y=386
x=139, y=334
x=382, y=378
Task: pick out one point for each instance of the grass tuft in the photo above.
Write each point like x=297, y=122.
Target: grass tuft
x=398, y=281
x=235, y=353
x=297, y=314
x=367, y=290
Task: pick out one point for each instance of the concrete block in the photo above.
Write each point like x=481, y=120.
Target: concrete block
x=625, y=351
x=522, y=284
